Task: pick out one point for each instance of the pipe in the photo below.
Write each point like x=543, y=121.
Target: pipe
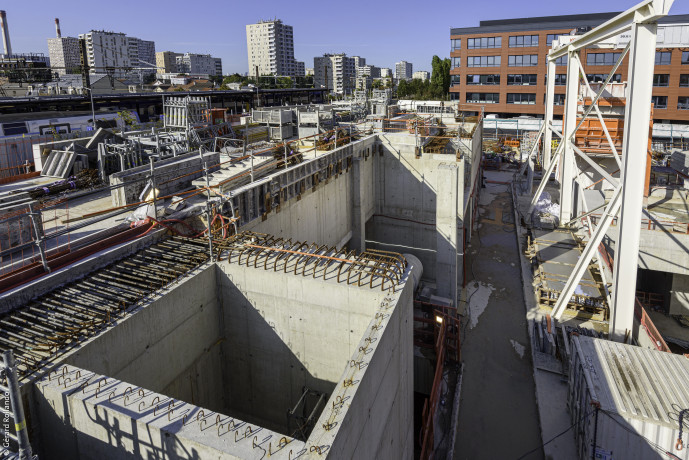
x=5, y=33
x=57, y=28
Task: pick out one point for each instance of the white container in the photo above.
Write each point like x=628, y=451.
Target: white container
x=640, y=393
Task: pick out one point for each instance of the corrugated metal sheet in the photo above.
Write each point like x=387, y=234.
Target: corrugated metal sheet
x=637, y=382
x=640, y=392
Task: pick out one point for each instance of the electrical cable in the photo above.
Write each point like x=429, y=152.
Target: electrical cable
x=587, y=415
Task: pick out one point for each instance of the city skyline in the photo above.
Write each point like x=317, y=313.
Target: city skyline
x=414, y=36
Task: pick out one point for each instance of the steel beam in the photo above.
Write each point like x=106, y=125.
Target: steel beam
x=634, y=146
x=591, y=248
x=645, y=12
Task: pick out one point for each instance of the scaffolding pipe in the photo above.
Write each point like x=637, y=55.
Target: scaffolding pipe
x=17, y=406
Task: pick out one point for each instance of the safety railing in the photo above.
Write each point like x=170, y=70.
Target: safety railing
x=649, y=327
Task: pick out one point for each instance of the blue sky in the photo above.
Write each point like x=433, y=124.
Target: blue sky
x=382, y=31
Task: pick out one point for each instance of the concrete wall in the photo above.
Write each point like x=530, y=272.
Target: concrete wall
x=376, y=417
x=406, y=188
x=325, y=214
x=300, y=332
x=82, y=424
x=679, y=295
x=165, y=170
x=171, y=345
x=659, y=250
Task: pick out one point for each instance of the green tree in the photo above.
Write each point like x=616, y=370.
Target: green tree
x=440, y=77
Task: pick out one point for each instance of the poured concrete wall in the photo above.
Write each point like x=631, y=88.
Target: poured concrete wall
x=406, y=201
x=376, y=417
x=300, y=332
x=325, y=214
x=169, y=346
x=281, y=332
x=83, y=424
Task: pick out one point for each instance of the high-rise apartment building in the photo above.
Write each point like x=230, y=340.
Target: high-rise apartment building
x=422, y=75
x=501, y=65
x=336, y=72
x=270, y=48
x=299, y=69
x=64, y=55
x=107, y=52
x=385, y=72
x=368, y=71
x=199, y=64
x=142, y=54
x=166, y=61
x=115, y=53
x=403, y=70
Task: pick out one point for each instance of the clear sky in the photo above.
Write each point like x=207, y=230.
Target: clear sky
x=382, y=31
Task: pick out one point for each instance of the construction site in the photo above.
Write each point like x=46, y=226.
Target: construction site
x=369, y=278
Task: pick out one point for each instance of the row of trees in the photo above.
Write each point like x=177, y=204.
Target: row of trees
x=435, y=88
x=269, y=81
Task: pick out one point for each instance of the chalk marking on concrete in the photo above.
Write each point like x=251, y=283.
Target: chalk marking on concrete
x=518, y=347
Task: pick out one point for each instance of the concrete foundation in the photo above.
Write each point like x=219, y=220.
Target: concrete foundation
x=235, y=346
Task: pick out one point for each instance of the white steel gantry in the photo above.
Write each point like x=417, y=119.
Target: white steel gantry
x=627, y=198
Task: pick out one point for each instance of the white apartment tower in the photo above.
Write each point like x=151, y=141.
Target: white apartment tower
x=270, y=47
x=107, y=52
x=403, y=70
x=199, y=64
x=335, y=72
x=142, y=53
x=64, y=55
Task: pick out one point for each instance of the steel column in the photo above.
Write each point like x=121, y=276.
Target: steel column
x=634, y=157
x=569, y=128
x=548, y=119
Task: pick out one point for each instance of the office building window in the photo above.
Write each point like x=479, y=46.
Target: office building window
x=560, y=79
x=562, y=60
x=550, y=37
x=483, y=61
x=684, y=80
x=484, y=42
x=456, y=43
x=526, y=60
x=455, y=80
x=661, y=79
x=456, y=61
x=523, y=41
x=665, y=58
x=559, y=99
x=683, y=103
x=659, y=102
x=685, y=57
x=454, y=96
x=521, y=98
x=602, y=58
x=483, y=79
x=601, y=77
x=483, y=98
x=522, y=79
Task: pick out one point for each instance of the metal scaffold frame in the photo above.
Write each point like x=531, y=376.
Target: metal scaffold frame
x=627, y=198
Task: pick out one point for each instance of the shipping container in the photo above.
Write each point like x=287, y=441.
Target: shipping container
x=625, y=401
